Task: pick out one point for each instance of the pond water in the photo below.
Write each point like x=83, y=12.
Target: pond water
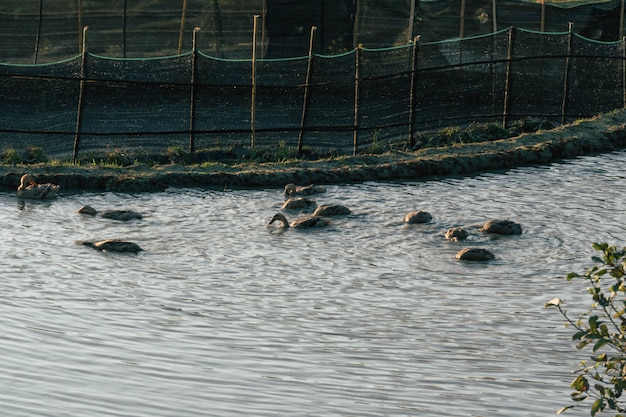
x=221, y=316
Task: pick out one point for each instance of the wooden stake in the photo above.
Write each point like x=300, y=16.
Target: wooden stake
x=411, y=20
x=507, y=81
x=566, y=75
x=192, y=107
x=307, y=81
x=182, y=27
x=543, y=16
x=462, y=20
x=124, y=29
x=37, y=39
x=79, y=111
x=253, y=98
x=355, y=124
x=414, y=66
x=494, y=19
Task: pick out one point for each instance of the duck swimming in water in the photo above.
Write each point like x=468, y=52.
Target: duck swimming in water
x=297, y=203
x=420, y=216
x=502, y=227
x=305, y=222
x=292, y=190
x=30, y=189
x=122, y=215
x=331, y=210
x=114, y=245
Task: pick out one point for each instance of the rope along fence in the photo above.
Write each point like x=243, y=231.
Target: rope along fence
x=345, y=103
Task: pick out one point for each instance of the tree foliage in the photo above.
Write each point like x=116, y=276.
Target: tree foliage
x=602, y=329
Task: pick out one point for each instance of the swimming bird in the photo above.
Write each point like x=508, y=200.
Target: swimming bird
x=297, y=203
x=114, y=245
x=502, y=227
x=292, y=190
x=122, y=215
x=305, y=222
x=420, y=216
x=456, y=233
x=331, y=210
x=474, y=254
x=30, y=189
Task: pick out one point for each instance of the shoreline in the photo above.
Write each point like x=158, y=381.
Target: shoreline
x=603, y=133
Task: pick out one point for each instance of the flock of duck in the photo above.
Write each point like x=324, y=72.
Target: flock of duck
x=296, y=197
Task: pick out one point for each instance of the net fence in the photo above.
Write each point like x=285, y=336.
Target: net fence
x=201, y=89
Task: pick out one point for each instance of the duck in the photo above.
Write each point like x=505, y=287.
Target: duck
x=305, y=222
x=122, y=215
x=292, y=190
x=420, y=216
x=326, y=210
x=298, y=203
x=456, y=234
x=30, y=189
x=474, y=254
x=114, y=245
x=502, y=227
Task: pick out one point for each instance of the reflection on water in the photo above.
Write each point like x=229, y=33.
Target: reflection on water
x=221, y=316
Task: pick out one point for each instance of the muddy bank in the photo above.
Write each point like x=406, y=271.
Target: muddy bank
x=603, y=133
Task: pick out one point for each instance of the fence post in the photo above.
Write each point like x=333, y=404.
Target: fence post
x=494, y=19
x=124, y=29
x=462, y=20
x=507, y=81
x=307, y=81
x=355, y=125
x=543, y=16
x=621, y=21
x=414, y=66
x=192, y=105
x=79, y=111
x=182, y=27
x=624, y=72
x=566, y=75
x=253, y=97
x=37, y=38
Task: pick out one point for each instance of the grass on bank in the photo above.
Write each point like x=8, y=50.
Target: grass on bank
x=239, y=154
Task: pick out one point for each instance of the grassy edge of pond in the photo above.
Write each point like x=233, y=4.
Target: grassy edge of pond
x=603, y=133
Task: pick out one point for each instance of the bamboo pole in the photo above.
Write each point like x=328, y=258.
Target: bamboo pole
x=623, y=72
x=355, y=124
x=621, y=21
x=357, y=21
x=623, y=46
x=507, y=81
x=182, y=27
x=38, y=37
x=462, y=20
x=543, y=16
x=307, y=81
x=81, y=88
x=124, y=28
x=494, y=20
x=192, y=104
x=79, y=7
x=253, y=98
x=414, y=66
x=566, y=75
x=411, y=20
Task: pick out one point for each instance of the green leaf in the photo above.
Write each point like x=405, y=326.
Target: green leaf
x=599, y=344
x=597, y=406
x=580, y=384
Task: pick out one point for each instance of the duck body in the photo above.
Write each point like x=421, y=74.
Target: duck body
x=502, y=227
x=293, y=190
x=122, y=215
x=297, y=203
x=28, y=188
x=114, y=245
x=474, y=254
x=331, y=210
x=306, y=222
x=420, y=216
x=456, y=234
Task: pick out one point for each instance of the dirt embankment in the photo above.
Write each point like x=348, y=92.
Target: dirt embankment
x=603, y=133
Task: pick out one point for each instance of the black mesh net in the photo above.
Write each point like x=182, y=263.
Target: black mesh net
x=347, y=102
